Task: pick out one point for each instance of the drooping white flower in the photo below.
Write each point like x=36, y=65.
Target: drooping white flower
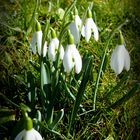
x=54, y=47
x=75, y=27
x=72, y=57
x=90, y=27
x=37, y=40
x=29, y=135
x=120, y=59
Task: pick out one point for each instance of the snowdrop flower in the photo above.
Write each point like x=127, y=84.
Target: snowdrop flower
x=37, y=40
x=75, y=27
x=29, y=133
x=53, y=48
x=90, y=27
x=120, y=58
x=72, y=57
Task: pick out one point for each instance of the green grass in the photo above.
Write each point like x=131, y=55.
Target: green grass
x=116, y=114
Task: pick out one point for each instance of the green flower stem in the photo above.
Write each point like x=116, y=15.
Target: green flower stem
x=69, y=9
x=32, y=18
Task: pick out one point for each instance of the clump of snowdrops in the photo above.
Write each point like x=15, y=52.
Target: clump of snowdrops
x=62, y=73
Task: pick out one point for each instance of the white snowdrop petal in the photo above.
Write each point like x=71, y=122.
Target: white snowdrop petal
x=72, y=27
x=39, y=41
x=29, y=135
x=95, y=29
x=37, y=135
x=67, y=60
x=75, y=32
x=87, y=30
x=118, y=63
x=56, y=42
x=20, y=135
x=126, y=60
x=61, y=52
x=78, y=21
x=120, y=59
x=45, y=49
x=51, y=52
x=83, y=31
x=33, y=43
x=117, y=60
x=77, y=60
x=52, y=49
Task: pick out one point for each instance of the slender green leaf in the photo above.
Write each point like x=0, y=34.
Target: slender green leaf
x=57, y=119
x=86, y=75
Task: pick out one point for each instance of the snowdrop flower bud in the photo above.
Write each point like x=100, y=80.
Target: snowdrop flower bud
x=29, y=133
x=37, y=39
x=72, y=57
x=53, y=47
x=90, y=27
x=120, y=58
x=75, y=27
